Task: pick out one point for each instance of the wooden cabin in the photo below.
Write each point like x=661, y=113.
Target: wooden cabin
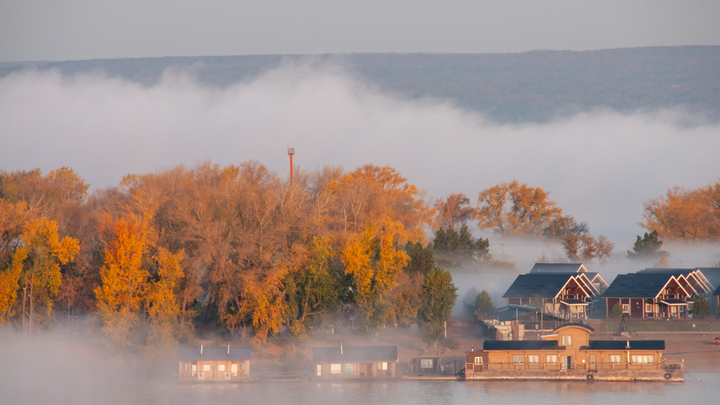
x=355, y=362
x=214, y=363
x=563, y=295
x=568, y=348
x=650, y=295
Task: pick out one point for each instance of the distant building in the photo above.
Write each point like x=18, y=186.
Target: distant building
x=355, y=362
x=652, y=295
x=569, y=353
x=563, y=295
x=566, y=268
x=214, y=363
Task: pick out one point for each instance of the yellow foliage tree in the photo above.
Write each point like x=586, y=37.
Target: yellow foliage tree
x=124, y=279
x=39, y=255
x=163, y=307
x=515, y=208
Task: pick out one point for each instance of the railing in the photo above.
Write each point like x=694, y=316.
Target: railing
x=272, y=375
x=663, y=365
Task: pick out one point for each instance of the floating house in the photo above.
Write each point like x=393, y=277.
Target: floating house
x=569, y=354
x=568, y=296
x=214, y=363
x=355, y=362
x=651, y=295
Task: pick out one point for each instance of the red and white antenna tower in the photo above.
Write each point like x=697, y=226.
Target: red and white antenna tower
x=291, y=152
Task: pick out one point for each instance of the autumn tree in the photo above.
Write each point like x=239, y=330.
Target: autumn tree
x=39, y=255
x=439, y=295
x=453, y=211
x=585, y=247
x=685, y=214
x=161, y=303
x=515, y=209
x=124, y=277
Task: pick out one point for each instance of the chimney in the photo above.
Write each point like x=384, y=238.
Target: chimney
x=201, y=347
x=228, y=349
x=341, y=351
x=627, y=346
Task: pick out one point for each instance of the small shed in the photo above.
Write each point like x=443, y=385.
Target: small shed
x=355, y=362
x=214, y=363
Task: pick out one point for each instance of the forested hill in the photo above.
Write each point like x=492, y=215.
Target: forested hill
x=527, y=87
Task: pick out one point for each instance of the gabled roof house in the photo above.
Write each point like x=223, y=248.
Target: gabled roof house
x=564, y=295
x=651, y=295
x=568, y=268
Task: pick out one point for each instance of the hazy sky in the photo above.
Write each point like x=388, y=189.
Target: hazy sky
x=89, y=29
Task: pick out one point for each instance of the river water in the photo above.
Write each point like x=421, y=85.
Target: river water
x=698, y=388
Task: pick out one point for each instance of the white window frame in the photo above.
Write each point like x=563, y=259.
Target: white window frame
x=426, y=363
x=533, y=359
x=478, y=360
x=221, y=367
x=518, y=359
x=626, y=308
x=207, y=368
x=336, y=368
x=234, y=369
x=648, y=308
x=318, y=370
x=566, y=340
x=642, y=359
x=615, y=358
x=382, y=365
x=551, y=359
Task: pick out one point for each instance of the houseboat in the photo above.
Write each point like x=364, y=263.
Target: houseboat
x=214, y=363
x=569, y=354
x=355, y=362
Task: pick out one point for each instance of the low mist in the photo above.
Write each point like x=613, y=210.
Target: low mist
x=599, y=167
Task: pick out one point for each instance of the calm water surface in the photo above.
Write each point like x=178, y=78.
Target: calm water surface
x=698, y=388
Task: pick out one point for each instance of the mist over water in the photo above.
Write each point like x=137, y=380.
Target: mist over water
x=599, y=167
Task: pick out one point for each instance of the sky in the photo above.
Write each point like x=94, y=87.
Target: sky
x=98, y=29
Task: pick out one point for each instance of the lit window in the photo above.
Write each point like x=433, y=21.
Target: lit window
x=478, y=360
x=206, y=367
x=221, y=367
x=567, y=340
x=426, y=363
x=335, y=368
x=533, y=358
x=648, y=308
x=318, y=370
x=518, y=359
x=234, y=369
x=642, y=359
x=551, y=358
x=382, y=365
x=349, y=368
x=615, y=358
x=626, y=308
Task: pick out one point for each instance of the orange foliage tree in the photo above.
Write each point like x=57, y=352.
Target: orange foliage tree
x=685, y=214
x=515, y=209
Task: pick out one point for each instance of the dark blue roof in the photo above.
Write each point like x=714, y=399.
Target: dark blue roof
x=581, y=325
x=349, y=353
x=556, y=268
x=623, y=345
x=213, y=353
x=712, y=274
x=521, y=345
x=544, y=285
x=637, y=285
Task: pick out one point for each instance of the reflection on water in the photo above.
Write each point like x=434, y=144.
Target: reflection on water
x=699, y=387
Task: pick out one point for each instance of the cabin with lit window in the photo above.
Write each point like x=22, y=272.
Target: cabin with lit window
x=354, y=362
x=569, y=296
x=214, y=363
x=651, y=295
x=568, y=353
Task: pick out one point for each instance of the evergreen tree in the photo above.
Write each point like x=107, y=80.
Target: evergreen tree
x=438, y=299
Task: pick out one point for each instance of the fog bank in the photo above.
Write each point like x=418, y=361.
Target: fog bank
x=599, y=167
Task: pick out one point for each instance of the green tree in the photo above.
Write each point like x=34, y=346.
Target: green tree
x=421, y=258
x=647, y=247
x=701, y=307
x=616, y=311
x=437, y=301
x=483, y=302
x=461, y=245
